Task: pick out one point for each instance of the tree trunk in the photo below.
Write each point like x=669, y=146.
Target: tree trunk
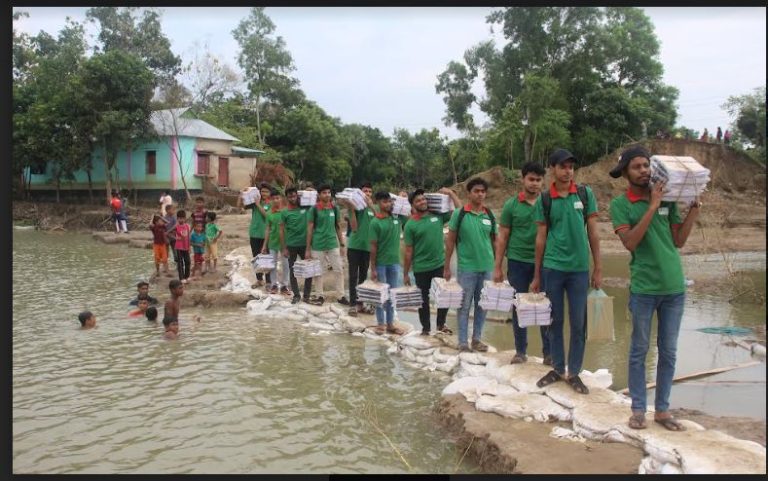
x=533, y=142
x=527, y=144
x=107, y=173
x=511, y=153
x=452, y=158
x=258, y=120
x=90, y=185
x=58, y=191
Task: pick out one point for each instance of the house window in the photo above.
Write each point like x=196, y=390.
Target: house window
x=151, y=161
x=203, y=164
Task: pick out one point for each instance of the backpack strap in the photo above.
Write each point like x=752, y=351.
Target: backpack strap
x=546, y=206
x=546, y=203
x=581, y=190
x=488, y=212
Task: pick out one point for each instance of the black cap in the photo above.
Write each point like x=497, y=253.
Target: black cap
x=415, y=194
x=559, y=156
x=629, y=154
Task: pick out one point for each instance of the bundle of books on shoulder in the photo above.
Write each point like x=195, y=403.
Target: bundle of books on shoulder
x=354, y=196
x=251, y=196
x=446, y=294
x=686, y=178
x=376, y=293
x=497, y=296
x=306, y=268
x=263, y=262
x=401, y=206
x=307, y=198
x=439, y=203
x=533, y=309
x=406, y=296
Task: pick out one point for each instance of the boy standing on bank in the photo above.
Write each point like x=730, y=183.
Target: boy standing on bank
x=652, y=231
x=517, y=240
x=563, y=245
x=473, y=228
x=325, y=241
x=385, y=258
x=257, y=228
x=359, y=248
x=293, y=240
x=425, y=250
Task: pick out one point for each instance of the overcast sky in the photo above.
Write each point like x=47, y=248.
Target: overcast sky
x=379, y=66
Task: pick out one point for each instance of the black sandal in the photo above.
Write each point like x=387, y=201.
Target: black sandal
x=551, y=377
x=577, y=385
x=445, y=330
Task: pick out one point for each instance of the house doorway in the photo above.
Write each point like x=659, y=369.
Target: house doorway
x=223, y=172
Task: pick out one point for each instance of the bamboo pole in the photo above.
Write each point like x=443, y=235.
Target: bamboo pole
x=700, y=374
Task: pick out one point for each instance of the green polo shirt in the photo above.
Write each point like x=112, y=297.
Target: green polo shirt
x=295, y=222
x=517, y=214
x=386, y=232
x=273, y=223
x=474, y=249
x=324, y=233
x=359, y=239
x=567, y=247
x=425, y=235
x=258, y=222
x=655, y=267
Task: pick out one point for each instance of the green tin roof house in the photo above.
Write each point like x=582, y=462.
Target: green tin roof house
x=185, y=145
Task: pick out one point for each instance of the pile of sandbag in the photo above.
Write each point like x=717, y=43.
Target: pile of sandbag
x=686, y=178
x=445, y=294
x=400, y=206
x=306, y=268
x=497, y=296
x=406, y=296
x=376, y=293
x=533, y=309
x=251, y=196
x=354, y=196
x=439, y=203
x=307, y=198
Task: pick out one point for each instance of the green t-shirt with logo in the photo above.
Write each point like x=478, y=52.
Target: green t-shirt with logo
x=474, y=247
x=655, y=267
x=360, y=238
x=518, y=216
x=273, y=223
x=324, y=234
x=425, y=235
x=258, y=225
x=295, y=222
x=567, y=247
x=211, y=231
x=386, y=232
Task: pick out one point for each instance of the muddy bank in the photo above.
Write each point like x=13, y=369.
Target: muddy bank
x=512, y=446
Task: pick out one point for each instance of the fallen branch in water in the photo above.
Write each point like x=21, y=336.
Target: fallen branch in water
x=701, y=374
x=369, y=413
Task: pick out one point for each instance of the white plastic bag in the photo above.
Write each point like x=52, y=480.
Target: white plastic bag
x=600, y=316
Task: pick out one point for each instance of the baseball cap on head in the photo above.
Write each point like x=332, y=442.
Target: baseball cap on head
x=559, y=156
x=626, y=156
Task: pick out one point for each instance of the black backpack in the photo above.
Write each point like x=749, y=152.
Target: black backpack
x=546, y=202
x=463, y=212
x=335, y=216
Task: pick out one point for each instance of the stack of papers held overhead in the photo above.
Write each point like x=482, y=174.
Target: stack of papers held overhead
x=355, y=196
x=401, y=206
x=533, y=309
x=409, y=296
x=306, y=268
x=251, y=196
x=263, y=262
x=686, y=178
x=307, y=198
x=376, y=293
x=439, y=203
x=497, y=296
x=446, y=294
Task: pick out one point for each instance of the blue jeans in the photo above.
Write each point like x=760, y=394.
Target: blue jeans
x=556, y=284
x=520, y=275
x=669, y=311
x=472, y=283
x=391, y=275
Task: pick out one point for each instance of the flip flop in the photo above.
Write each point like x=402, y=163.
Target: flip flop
x=395, y=330
x=670, y=423
x=577, y=385
x=549, y=378
x=445, y=330
x=637, y=421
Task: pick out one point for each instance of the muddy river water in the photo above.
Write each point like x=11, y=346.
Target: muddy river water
x=239, y=395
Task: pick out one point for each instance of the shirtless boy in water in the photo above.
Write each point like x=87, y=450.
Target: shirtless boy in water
x=172, y=308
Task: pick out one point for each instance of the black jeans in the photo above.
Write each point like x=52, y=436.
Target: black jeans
x=182, y=264
x=423, y=282
x=358, y=271
x=256, y=245
x=292, y=253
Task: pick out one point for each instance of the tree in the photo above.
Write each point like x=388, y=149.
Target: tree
x=115, y=88
x=172, y=123
x=210, y=79
x=266, y=62
x=748, y=110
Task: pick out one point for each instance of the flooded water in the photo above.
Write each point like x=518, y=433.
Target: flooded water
x=237, y=395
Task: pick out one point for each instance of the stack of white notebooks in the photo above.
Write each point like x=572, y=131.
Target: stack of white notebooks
x=263, y=262
x=533, y=309
x=376, y=293
x=686, y=178
x=401, y=205
x=446, y=294
x=306, y=268
x=307, y=198
x=251, y=196
x=355, y=196
x=439, y=203
x=409, y=296
x=497, y=296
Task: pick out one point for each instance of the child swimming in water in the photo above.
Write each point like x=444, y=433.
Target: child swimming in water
x=87, y=320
